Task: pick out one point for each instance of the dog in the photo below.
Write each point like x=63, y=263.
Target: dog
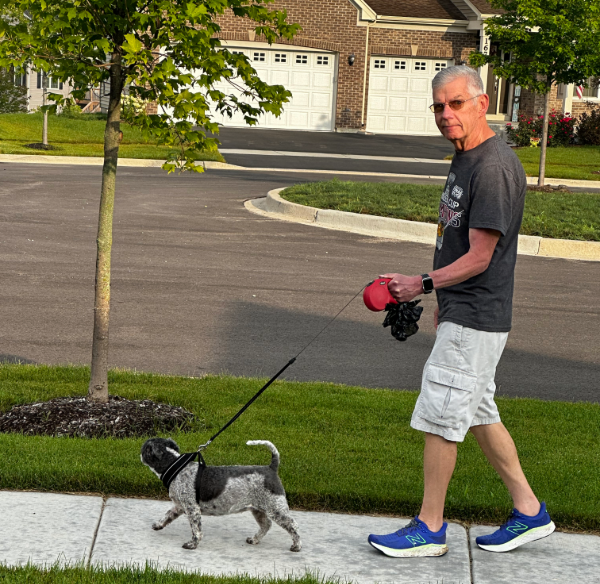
x=222, y=490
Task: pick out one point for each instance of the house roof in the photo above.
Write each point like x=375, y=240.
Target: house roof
x=485, y=7
x=443, y=9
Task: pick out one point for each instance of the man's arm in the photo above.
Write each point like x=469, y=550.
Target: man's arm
x=482, y=243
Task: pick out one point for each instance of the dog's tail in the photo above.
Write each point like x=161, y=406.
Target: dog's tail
x=275, y=458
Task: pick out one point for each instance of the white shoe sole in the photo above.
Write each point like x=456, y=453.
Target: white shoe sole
x=531, y=535
x=416, y=552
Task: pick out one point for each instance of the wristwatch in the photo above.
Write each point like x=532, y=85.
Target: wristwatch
x=427, y=283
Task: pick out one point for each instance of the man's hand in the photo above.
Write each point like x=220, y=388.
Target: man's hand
x=404, y=288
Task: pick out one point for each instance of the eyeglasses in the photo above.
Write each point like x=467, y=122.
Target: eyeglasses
x=455, y=104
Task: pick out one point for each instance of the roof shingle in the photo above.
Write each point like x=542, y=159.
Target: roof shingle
x=443, y=9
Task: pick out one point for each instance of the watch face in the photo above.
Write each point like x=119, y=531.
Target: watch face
x=427, y=284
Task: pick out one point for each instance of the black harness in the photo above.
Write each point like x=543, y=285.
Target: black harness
x=180, y=463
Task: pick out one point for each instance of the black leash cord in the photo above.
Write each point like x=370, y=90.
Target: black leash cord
x=290, y=362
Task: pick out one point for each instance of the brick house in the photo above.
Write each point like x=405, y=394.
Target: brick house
x=368, y=64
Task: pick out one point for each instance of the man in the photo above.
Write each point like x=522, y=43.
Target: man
x=480, y=216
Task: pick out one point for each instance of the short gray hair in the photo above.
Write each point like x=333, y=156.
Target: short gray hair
x=445, y=76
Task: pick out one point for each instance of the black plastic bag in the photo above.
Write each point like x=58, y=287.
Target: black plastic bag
x=403, y=317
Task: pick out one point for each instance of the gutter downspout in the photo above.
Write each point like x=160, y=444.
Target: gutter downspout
x=362, y=114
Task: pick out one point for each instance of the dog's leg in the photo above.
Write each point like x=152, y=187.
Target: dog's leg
x=171, y=515
x=287, y=522
x=195, y=518
x=264, y=523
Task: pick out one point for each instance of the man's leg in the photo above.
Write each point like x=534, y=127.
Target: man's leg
x=499, y=448
x=439, y=459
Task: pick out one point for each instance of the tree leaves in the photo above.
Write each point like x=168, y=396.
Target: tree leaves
x=170, y=55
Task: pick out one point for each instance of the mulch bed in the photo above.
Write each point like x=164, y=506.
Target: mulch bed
x=550, y=189
x=40, y=146
x=76, y=416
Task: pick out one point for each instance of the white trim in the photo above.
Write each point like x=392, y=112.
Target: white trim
x=365, y=12
x=433, y=27
x=427, y=21
x=274, y=46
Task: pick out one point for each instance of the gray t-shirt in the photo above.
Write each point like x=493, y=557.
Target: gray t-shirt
x=485, y=189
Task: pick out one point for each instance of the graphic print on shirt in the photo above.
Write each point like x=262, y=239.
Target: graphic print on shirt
x=450, y=211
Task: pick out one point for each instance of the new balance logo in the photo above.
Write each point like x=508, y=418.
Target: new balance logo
x=517, y=528
x=416, y=539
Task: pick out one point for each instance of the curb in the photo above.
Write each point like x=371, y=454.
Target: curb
x=98, y=161
x=384, y=227
x=213, y=165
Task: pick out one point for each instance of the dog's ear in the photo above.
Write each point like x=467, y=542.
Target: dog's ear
x=172, y=444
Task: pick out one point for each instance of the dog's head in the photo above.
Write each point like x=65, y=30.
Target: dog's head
x=159, y=453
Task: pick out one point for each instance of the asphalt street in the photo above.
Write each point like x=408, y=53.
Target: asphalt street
x=432, y=147
x=200, y=285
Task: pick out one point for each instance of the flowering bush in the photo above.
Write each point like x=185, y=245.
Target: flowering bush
x=132, y=107
x=561, y=130
x=588, y=128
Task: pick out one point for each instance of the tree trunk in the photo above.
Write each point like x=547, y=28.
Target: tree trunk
x=98, y=388
x=45, y=122
x=544, y=138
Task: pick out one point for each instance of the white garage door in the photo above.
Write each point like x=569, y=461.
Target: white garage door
x=311, y=78
x=400, y=95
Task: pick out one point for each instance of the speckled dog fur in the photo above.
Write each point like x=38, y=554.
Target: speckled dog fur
x=224, y=490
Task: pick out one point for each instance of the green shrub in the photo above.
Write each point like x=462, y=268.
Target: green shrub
x=588, y=127
x=71, y=110
x=13, y=98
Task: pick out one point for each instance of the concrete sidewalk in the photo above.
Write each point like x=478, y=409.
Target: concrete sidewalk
x=45, y=528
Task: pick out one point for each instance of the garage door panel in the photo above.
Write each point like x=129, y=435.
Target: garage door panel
x=299, y=119
x=397, y=123
x=378, y=103
x=416, y=104
x=301, y=98
x=280, y=78
x=399, y=84
x=378, y=83
x=322, y=80
x=321, y=100
x=417, y=124
x=300, y=79
x=419, y=85
x=377, y=123
x=397, y=104
x=320, y=121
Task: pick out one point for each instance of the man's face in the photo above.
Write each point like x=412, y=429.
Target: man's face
x=459, y=124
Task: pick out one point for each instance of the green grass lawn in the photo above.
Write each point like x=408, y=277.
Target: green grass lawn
x=572, y=162
x=139, y=575
x=78, y=136
x=557, y=215
x=343, y=448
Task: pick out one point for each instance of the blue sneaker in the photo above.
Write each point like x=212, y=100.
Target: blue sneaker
x=518, y=530
x=414, y=540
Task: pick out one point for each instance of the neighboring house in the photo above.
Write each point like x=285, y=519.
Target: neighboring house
x=33, y=81
x=368, y=64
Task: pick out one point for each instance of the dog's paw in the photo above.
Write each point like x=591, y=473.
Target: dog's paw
x=190, y=545
x=252, y=541
x=157, y=526
x=296, y=547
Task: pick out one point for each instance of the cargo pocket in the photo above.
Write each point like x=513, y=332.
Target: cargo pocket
x=446, y=395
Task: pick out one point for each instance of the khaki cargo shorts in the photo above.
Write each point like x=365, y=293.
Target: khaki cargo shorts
x=458, y=387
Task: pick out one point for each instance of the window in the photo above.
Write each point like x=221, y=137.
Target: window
x=420, y=65
x=280, y=58
x=592, y=91
x=440, y=66
x=20, y=79
x=400, y=65
x=379, y=64
x=322, y=60
x=49, y=82
x=260, y=57
x=301, y=59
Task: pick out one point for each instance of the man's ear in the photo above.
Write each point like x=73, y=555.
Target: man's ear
x=483, y=102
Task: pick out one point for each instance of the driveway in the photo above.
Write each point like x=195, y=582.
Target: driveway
x=202, y=286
